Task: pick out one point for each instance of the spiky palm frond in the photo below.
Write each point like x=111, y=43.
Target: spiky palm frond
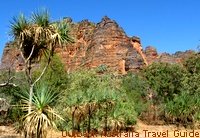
x=41, y=18
x=39, y=35
x=20, y=28
x=61, y=34
x=42, y=115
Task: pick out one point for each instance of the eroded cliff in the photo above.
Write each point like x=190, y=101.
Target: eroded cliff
x=104, y=43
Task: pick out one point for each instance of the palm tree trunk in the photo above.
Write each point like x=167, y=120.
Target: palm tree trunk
x=89, y=121
x=31, y=83
x=30, y=98
x=28, y=72
x=29, y=108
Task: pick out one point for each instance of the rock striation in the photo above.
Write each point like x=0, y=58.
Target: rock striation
x=11, y=57
x=111, y=46
x=102, y=44
x=178, y=57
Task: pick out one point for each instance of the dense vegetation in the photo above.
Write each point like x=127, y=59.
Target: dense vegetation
x=94, y=100
x=87, y=100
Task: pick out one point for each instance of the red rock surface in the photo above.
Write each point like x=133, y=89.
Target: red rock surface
x=11, y=57
x=104, y=43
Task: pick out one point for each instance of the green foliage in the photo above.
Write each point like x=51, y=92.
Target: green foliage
x=9, y=93
x=184, y=108
x=41, y=18
x=55, y=75
x=18, y=25
x=124, y=113
x=191, y=80
x=136, y=90
x=14, y=113
x=165, y=79
x=42, y=115
x=192, y=64
x=102, y=68
x=95, y=102
x=191, y=83
x=38, y=36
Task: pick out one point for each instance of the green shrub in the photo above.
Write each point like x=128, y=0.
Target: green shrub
x=95, y=102
x=165, y=79
x=102, y=68
x=183, y=109
x=136, y=90
x=192, y=64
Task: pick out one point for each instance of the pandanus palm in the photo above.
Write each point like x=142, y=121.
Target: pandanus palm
x=42, y=115
x=37, y=37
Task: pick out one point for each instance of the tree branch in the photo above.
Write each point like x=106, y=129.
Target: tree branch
x=22, y=52
x=43, y=71
x=30, y=54
x=8, y=84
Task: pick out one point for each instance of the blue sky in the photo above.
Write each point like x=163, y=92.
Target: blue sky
x=169, y=25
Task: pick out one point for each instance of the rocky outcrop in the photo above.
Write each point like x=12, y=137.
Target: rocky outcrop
x=110, y=46
x=135, y=41
x=101, y=44
x=178, y=57
x=151, y=54
x=73, y=55
x=11, y=57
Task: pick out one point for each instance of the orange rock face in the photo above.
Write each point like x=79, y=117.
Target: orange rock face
x=135, y=41
x=178, y=57
x=110, y=45
x=11, y=57
x=121, y=66
x=99, y=44
x=104, y=43
x=151, y=54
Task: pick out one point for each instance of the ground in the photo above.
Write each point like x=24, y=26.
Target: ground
x=142, y=131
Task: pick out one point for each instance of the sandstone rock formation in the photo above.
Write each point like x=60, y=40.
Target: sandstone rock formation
x=178, y=57
x=135, y=41
x=99, y=44
x=151, y=54
x=104, y=43
x=11, y=57
x=73, y=54
x=110, y=45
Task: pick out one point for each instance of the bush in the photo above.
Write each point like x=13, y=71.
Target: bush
x=136, y=89
x=10, y=93
x=192, y=64
x=183, y=109
x=102, y=68
x=165, y=79
x=55, y=76
x=95, y=102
